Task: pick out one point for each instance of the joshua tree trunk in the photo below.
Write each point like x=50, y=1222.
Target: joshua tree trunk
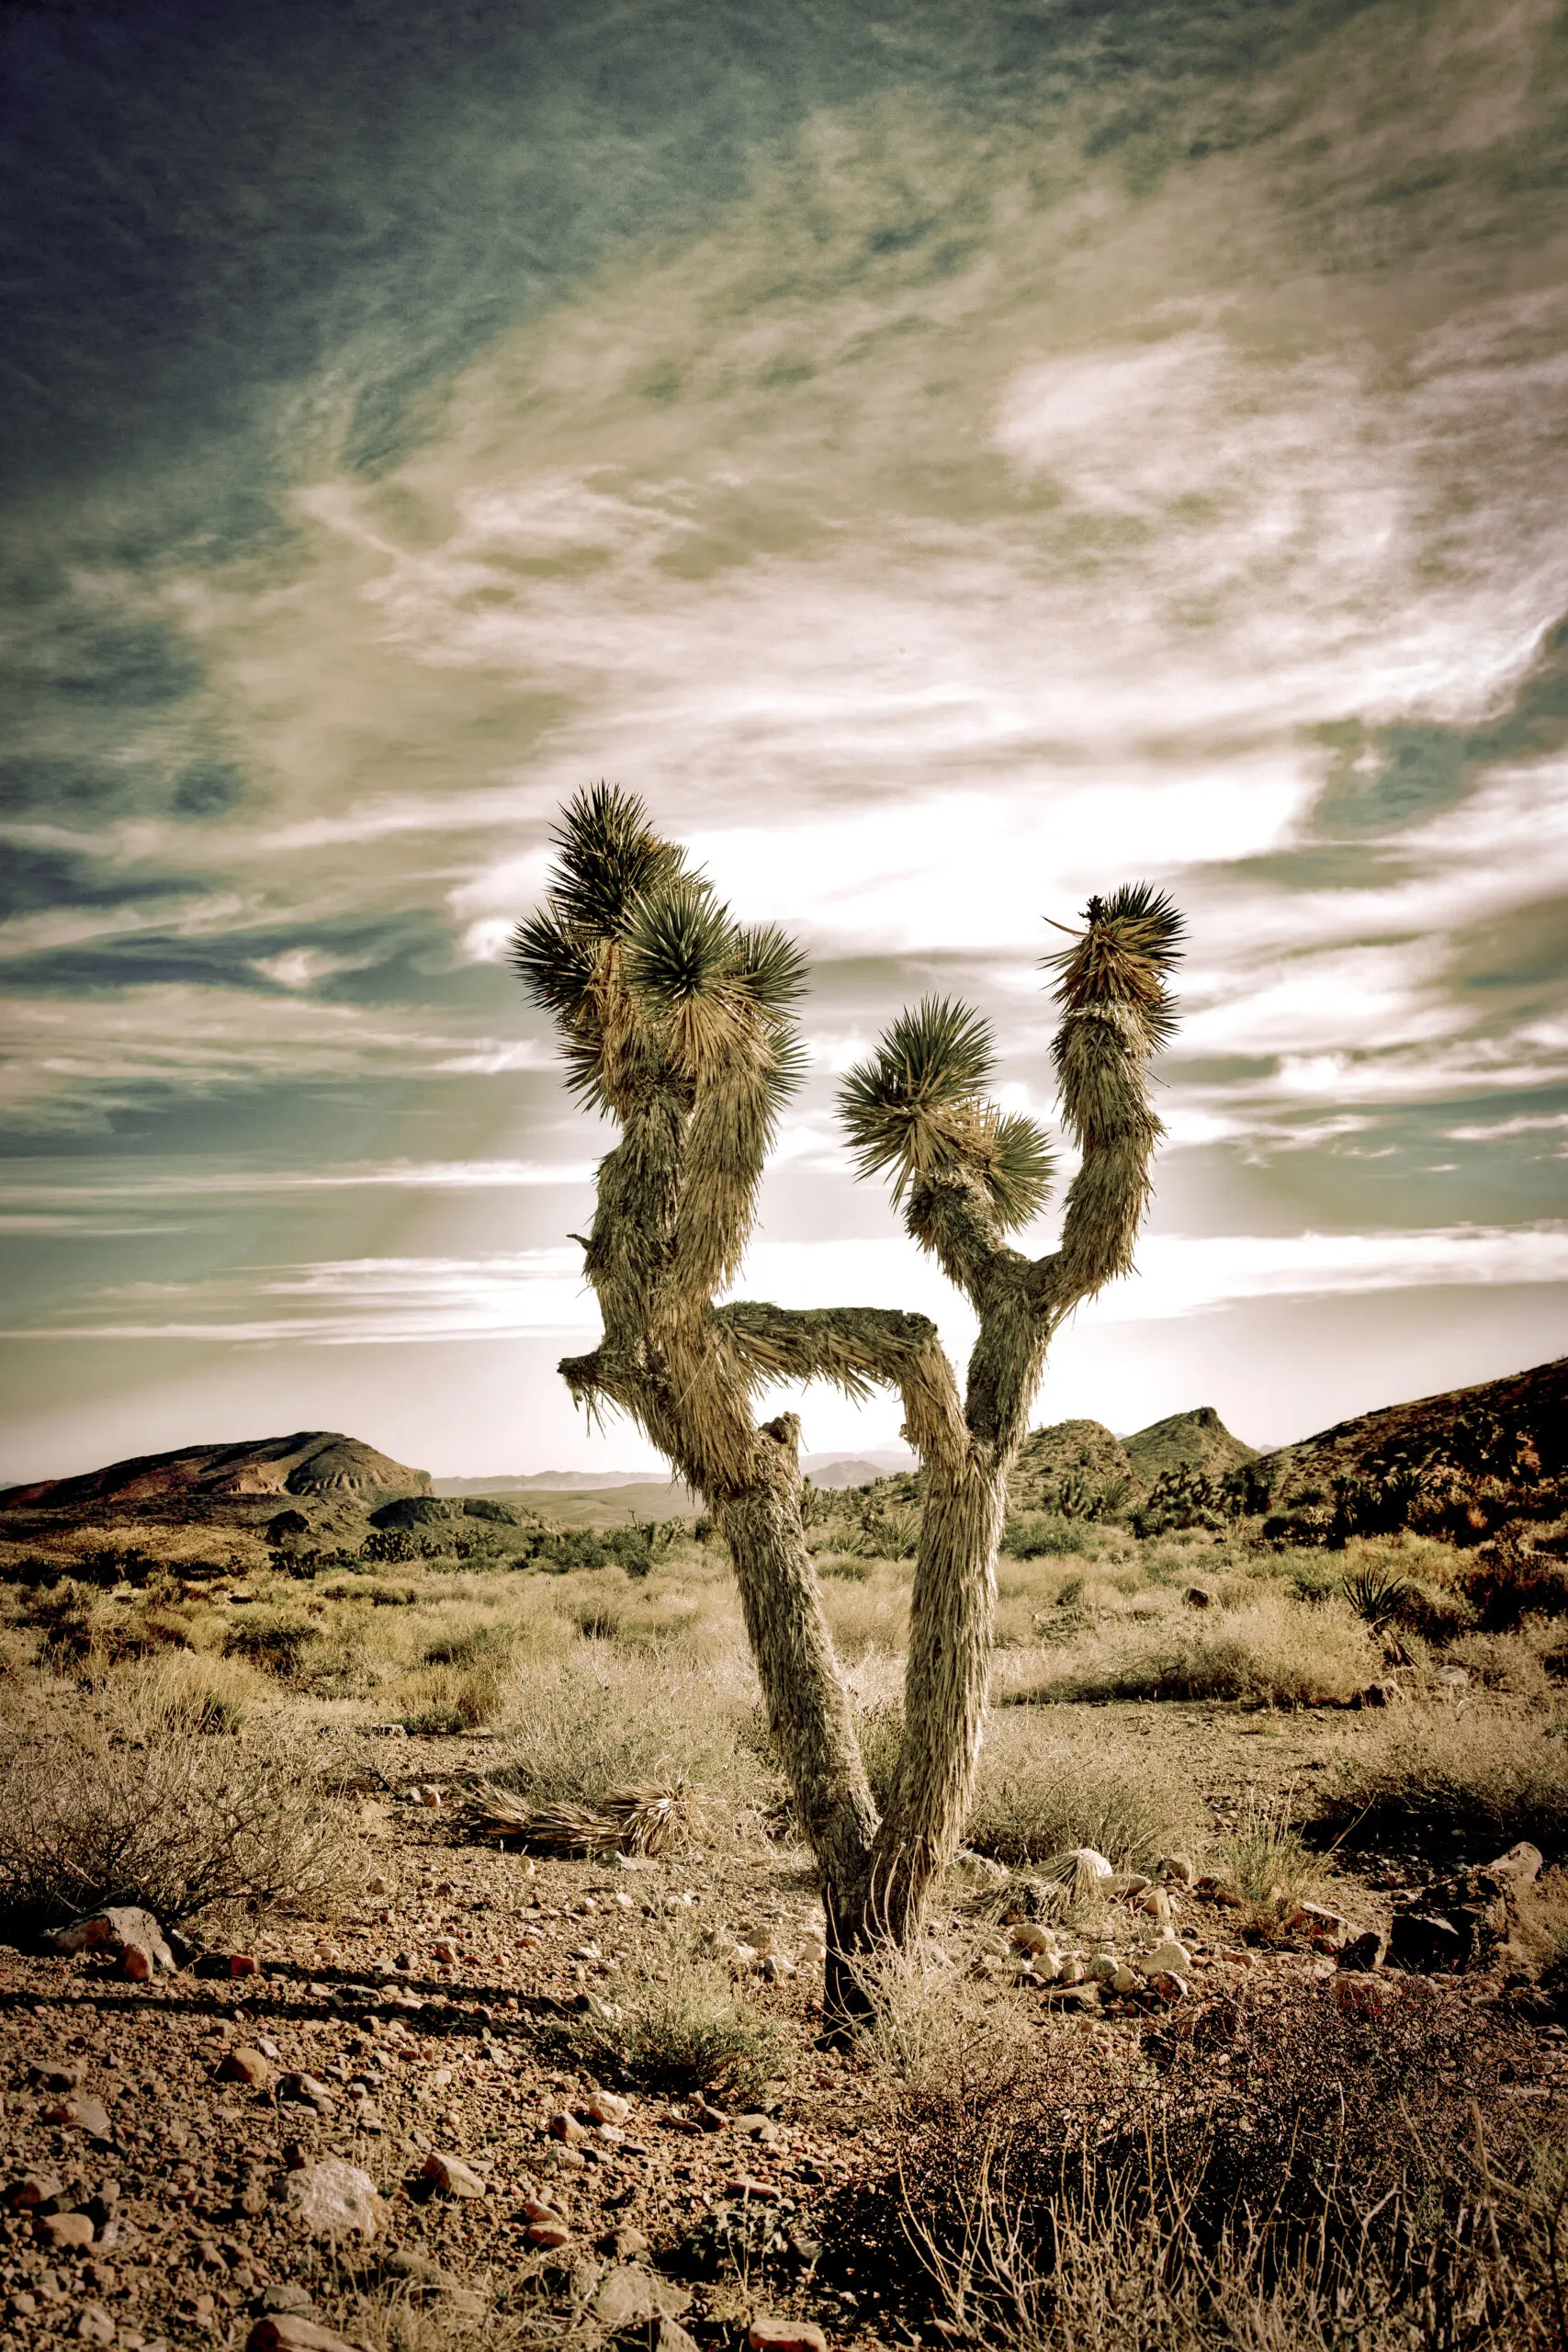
x=677, y=1024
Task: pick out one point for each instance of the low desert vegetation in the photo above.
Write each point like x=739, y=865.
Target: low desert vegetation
x=1291, y=1718
x=136, y=1804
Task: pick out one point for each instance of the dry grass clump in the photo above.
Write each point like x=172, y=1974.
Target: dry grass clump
x=1270, y=1650
x=1481, y=1777
x=115, y=1807
x=1268, y=1864
x=679, y=2023
x=592, y=1724
x=1040, y=1794
x=1042, y=1790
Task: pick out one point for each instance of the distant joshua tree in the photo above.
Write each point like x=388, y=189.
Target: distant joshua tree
x=679, y=1024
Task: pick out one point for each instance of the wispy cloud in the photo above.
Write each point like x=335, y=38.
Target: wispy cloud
x=531, y=1294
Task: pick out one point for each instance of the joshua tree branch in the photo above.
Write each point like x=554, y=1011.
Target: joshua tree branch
x=857, y=1347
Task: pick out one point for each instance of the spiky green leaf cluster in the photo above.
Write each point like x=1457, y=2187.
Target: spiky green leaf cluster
x=1121, y=957
x=675, y=1020
x=917, y=1109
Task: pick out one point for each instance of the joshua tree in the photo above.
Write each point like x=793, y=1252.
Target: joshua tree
x=678, y=1024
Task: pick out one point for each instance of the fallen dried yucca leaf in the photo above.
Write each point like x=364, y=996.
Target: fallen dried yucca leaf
x=651, y=1818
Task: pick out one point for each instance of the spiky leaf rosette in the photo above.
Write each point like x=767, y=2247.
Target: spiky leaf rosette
x=610, y=857
x=917, y=1109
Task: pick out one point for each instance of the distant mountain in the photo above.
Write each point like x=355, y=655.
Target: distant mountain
x=834, y=1477
x=320, y=1465
x=1198, y=1439
x=821, y=1468
x=559, y=1482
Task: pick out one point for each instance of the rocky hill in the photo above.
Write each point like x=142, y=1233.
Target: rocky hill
x=1085, y=1450
x=1195, y=1440
x=1512, y=1430
x=318, y=1465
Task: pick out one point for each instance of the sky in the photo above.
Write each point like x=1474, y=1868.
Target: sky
x=949, y=458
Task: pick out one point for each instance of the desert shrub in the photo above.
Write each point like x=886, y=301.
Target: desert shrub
x=1044, y=1534
x=1283, y=2179
x=1487, y=1778
x=1512, y=1579
x=273, y=1639
x=389, y=1547
x=118, y=1808
x=445, y=1701
x=679, y=2023
x=1181, y=1498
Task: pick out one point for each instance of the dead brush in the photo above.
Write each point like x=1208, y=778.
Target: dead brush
x=649, y=1819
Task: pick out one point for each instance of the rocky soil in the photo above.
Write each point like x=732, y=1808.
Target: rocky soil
x=281, y=2144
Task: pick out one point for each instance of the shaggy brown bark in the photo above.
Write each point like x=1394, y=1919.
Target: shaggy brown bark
x=678, y=1024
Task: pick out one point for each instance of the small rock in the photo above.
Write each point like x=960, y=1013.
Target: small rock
x=632, y=2296
x=786, y=2335
x=605, y=2108
x=629, y=2244
x=1089, y=1863
x=1196, y=1597
x=977, y=1870
x=1029, y=1936
x=567, y=2129
x=112, y=1930
x=291, y=2332
x=1171, y=1957
x=1169, y=1985
x=57, y=2078
x=1452, y=1677
x=1360, y=1955
x=334, y=2198
x=33, y=2189
x=94, y=2324
x=548, y=2235
x=540, y=2209
x=243, y=2064
x=64, y=2229
x=286, y=2296
x=1156, y=1904
x=379, y=1884
x=451, y=2174
x=1520, y=1864
x=21, y=2305
x=136, y=1961
x=671, y=2336
x=444, y=1950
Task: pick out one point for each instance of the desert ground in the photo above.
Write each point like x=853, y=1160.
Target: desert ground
x=479, y=2003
